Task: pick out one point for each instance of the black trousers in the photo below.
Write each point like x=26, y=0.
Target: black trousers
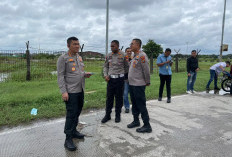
x=115, y=88
x=138, y=99
x=163, y=79
x=73, y=110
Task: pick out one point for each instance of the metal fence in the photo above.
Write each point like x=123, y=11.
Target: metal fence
x=13, y=64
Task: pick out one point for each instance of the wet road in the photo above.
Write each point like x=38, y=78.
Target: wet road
x=192, y=125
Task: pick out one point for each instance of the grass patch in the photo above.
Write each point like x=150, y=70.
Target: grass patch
x=18, y=98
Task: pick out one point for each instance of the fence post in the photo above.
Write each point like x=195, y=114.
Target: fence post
x=28, y=76
x=177, y=60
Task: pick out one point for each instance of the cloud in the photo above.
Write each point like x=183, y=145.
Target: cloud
x=190, y=24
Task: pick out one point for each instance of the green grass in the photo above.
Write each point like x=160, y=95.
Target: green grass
x=18, y=98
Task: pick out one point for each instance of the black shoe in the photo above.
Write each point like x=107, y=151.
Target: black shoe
x=69, y=144
x=133, y=124
x=216, y=88
x=105, y=119
x=127, y=110
x=78, y=135
x=169, y=100
x=159, y=99
x=117, y=119
x=144, y=129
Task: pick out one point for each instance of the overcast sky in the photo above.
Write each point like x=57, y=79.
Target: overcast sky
x=177, y=24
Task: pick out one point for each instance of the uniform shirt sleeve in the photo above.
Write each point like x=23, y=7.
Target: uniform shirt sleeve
x=61, y=74
x=145, y=68
x=106, y=67
x=158, y=60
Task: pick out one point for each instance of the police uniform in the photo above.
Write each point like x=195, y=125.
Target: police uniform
x=71, y=79
x=115, y=67
x=139, y=77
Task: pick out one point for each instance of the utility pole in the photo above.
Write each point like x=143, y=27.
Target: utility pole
x=223, y=24
x=107, y=24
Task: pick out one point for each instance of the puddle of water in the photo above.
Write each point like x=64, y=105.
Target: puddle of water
x=3, y=77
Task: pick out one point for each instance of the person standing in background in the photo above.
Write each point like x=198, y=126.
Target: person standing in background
x=192, y=69
x=164, y=62
x=128, y=57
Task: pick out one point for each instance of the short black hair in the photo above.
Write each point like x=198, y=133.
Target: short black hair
x=138, y=41
x=194, y=51
x=168, y=50
x=127, y=49
x=70, y=39
x=228, y=62
x=116, y=42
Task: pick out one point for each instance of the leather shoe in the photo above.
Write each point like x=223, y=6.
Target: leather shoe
x=159, y=99
x=133, y=124
x=117, y=119
x=169, y=100
x=144, y=129
x=78, y=135
x=69, y=144
x=105, y=119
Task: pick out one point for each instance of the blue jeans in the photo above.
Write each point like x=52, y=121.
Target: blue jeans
x=125, y=95
x=213, y=76
x=191, y=80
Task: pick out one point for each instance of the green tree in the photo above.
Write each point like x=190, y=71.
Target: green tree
x=152, y=49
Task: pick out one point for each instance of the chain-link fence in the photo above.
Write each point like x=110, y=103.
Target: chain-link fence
x=13, y=64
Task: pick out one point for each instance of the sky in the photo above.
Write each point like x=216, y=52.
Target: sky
x=175, y=24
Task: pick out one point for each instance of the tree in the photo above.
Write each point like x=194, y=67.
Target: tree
x=152, y=49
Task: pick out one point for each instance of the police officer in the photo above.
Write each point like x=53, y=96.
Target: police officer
x=71, y=81
x=139, y=78
x=114, y=69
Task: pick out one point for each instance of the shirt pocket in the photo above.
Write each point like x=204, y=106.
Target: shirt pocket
x=120, y=61
x=71, y=67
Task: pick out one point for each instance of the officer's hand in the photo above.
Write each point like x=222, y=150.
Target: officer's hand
x=148, y=84
x=168, y=61
x=88, y=74
x=107, y=78
x=65, y=96
x=197, y=69
x=189, y=74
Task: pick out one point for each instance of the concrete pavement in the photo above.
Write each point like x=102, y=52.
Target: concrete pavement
x=192, y=125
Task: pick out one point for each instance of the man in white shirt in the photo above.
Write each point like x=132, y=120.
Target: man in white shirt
x=215, y=70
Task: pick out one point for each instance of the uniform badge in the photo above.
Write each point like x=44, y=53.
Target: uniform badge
x=71, y=60
x=142, y=59
x=134, y=64
x=80, y=59
x=74, y=64
x=73, y=68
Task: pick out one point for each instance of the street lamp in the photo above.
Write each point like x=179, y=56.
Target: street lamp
x=107, y=24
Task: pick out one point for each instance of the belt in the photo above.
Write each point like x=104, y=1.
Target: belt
x=117, y=76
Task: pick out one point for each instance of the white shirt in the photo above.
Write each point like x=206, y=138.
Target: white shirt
x=217, y=68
